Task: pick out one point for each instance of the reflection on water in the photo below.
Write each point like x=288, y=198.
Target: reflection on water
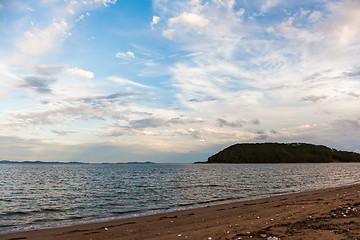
x=34, y=195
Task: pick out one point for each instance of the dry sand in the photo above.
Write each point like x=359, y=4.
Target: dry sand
x=324, y=214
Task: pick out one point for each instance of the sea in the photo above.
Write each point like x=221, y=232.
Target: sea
x=36, y=196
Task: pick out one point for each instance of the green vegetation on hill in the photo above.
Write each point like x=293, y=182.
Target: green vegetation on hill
x=282, y=153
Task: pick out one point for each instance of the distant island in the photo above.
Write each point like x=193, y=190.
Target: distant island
x=38, y=162
x=281, y=153
x=138, y=163
x=41, y=162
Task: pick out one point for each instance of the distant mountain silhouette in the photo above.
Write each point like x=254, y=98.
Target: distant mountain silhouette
x=39, y=162
x=282, y=153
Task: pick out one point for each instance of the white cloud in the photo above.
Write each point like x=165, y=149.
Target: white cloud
x=106, y=2
x=270, y=29
x=39, y=41
x=155, y=20
x=169, y=33
x=48, y=69
x=240, y=12
x=191, y=20
x=47, y=34
x=315, y=16
x=125, y=55
x=76, y=5
x=342, y=28
x=7, y=77
x=81, y=17
x=77, y=72
x=225, y=3
x=268, y=4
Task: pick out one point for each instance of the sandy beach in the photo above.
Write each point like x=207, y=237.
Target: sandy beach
x=332, y=213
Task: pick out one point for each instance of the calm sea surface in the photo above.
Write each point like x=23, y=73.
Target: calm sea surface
x=39, y=196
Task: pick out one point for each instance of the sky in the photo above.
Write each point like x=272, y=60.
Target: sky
x=175, y=81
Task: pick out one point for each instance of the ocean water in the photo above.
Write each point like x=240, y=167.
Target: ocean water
x=38, y=196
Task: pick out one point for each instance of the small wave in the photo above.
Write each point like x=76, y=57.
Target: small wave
x=14, y=213
x=134, y=213
x=281, y=192
x=210, y=202
x=39, y=221
x=123, y=212
x=78, y=207
x=206, y=185
x=197, y=186
x=6, y=226
x=5, y=200
x=51, y=210
x=113, y=204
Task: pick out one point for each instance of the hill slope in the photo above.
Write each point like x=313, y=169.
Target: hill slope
x=282, y=153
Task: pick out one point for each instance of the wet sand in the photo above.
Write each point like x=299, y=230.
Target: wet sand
x=332, y=213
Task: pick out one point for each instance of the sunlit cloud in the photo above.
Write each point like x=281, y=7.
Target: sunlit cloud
x=39, y=41
x=191, y=20
x=125, y=55
x=80, y=73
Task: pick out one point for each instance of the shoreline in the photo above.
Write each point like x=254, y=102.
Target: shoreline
x=142, y=213
x=286, y=216
x=156, y=211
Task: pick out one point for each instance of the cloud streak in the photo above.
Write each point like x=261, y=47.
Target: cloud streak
x=123, y=81
x=40, y=85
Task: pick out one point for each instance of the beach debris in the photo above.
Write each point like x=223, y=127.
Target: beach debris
x=106, y=229
x=273, y=238
x=263, y=235
x=179, y=235
x=209, y=238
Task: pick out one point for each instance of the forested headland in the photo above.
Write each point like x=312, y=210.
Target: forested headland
x=282, y=153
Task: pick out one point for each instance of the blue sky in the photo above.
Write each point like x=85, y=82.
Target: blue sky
x=175, y=81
